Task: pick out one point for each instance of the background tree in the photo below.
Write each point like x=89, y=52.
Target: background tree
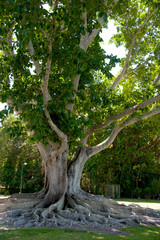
x=48, y=61
x=131, y=161
x=15, y=151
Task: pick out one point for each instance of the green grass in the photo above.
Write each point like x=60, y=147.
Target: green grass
x=136, y=233
x=137, y=200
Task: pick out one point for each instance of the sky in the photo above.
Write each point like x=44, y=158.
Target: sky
x=109, y=48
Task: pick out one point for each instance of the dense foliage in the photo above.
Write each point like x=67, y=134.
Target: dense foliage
x=56, y=76
x=15, y=152
x=30, y=21
x=133, y=161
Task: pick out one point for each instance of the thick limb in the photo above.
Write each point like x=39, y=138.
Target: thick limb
x=75, y=171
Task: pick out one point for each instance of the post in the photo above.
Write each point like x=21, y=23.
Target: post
x=21, y=183
x=21, y=179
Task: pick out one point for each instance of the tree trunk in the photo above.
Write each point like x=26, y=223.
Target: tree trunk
x=69, y=206
x=55, y=182
x=75, y=171
x=60, y=180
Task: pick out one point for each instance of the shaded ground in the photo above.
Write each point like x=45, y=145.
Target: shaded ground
x=8, y=205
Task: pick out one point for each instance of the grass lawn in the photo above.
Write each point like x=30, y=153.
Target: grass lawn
x=136, y=233
x=137, y=200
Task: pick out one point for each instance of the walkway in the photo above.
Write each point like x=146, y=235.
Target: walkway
x=142, y=204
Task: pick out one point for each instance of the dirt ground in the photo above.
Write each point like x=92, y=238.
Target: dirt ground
x=10, y=203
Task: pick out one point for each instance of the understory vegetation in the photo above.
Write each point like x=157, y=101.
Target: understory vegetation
x=21, y=166
x=132, y=161
x=136, y=151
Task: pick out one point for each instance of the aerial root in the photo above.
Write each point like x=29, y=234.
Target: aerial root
x=93, y=210
x=116, y=213
x=90, y=214
x=96, y=213
x=36, y=213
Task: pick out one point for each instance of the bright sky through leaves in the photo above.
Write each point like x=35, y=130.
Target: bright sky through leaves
x=109, y=48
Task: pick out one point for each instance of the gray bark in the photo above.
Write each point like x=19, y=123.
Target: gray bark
x=55, y=179
x=75, y=171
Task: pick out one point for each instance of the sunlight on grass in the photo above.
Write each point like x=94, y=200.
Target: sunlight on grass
x=98, y=237
x=136, y=233
x=147, y=233
x=144, y=233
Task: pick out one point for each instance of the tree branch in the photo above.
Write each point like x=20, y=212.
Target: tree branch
x=139, y=118
x=44, y=86
x=126, y=65
x=139, y=66
x=11, y=104
x=126, y=112
x=42, y=152
x=156, y=82
x=7, y=40
x=83, y=45
x=36, y=62
x=136, y=50
x=75, y=82
x=129, y=33
x=47, y=97
x=98, y=148
x=146, y=20
x=38, y=69
x=101, y=22
x=59, y=133
x=85, y=41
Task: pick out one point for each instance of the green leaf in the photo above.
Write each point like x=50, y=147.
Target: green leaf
x=101, y=14
x=11, y=1
x=105, y=18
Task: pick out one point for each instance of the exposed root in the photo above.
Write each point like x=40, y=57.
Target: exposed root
x=36, y=213
x=84, y=211
x=40, y=194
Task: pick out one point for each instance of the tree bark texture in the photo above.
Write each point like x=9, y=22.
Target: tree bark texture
x=64, y=204
x=60, y=179
x=55, y=180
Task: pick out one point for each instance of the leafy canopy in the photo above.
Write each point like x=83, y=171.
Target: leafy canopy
x=64, y=25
